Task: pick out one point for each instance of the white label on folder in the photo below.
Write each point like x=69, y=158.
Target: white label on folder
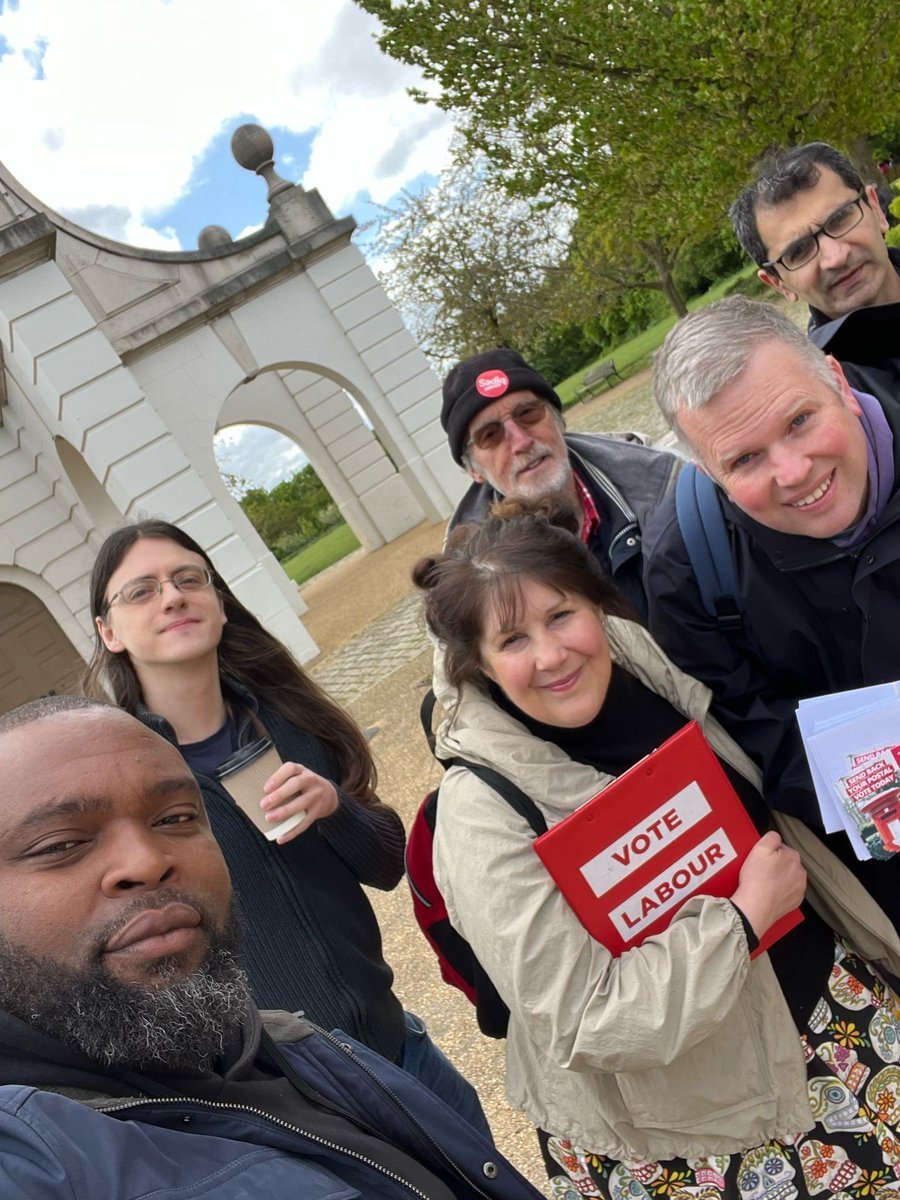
x=669, y=821
x=673, y=885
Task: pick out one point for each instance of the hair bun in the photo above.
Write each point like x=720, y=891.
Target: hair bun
x=555, y=510
x=425, y=572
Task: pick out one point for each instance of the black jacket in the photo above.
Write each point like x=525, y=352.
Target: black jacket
x=866, y=342
x=816, y=619
x=627, y=482
x=312, y=941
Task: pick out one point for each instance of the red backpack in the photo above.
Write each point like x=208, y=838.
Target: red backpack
x=455, y=956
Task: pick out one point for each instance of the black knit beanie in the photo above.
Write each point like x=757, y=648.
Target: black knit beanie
x=477, y=382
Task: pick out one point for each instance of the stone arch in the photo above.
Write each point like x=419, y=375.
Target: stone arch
x=118, y=364
x=37, y=654
x=96, y=501
x=311, y=404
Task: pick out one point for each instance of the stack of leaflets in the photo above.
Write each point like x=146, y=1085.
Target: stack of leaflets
x=852, y=741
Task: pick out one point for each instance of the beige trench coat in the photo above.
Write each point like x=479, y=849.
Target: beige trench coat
x=682, y=1047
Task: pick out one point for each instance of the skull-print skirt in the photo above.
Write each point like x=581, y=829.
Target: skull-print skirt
x=852, y=1049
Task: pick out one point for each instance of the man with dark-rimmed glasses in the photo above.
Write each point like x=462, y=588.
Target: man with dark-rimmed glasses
x=816, y=232
x=505, y=428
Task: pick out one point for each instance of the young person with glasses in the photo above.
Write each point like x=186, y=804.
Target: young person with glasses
x=176, y=648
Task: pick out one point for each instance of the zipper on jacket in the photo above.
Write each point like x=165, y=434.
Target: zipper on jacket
x=257, y=1112
x=822, y=562
x=348, y=1050
x=606, y=485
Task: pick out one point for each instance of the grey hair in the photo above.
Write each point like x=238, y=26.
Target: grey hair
x=709, y=348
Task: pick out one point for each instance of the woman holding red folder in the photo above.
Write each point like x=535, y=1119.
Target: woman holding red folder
x=682, y=1067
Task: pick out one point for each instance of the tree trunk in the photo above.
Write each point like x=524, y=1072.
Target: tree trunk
x=860, y=154
x=663, y=262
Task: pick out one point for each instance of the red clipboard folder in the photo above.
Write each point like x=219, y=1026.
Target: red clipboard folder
x=670, y=828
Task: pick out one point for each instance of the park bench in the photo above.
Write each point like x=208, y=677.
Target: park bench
x=602, y=373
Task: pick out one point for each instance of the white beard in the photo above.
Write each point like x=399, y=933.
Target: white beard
x=547, y=483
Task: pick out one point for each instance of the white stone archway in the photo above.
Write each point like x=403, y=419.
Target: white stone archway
x=38, y=641
x=306, y=403
x=119, y=365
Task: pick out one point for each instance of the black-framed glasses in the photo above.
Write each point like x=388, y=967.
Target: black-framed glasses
x=526, y=415
x=141, y=591
x=805, y=249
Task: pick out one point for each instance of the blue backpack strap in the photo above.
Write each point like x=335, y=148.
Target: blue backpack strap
x=705, y=535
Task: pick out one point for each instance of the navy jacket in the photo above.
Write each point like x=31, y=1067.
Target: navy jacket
x=816, y=619
x=55, y=1147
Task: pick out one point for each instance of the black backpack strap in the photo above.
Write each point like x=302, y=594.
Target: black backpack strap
x=504, y=787
x=705, y=536
x=426, y=715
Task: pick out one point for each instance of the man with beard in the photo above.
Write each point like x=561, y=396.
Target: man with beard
x=505, y=428
x=132, y=1060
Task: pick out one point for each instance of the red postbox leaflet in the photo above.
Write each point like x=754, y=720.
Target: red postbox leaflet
x=871, y=794
x=670, y=828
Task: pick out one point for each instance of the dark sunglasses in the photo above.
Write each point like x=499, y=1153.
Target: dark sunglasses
x=526, y=415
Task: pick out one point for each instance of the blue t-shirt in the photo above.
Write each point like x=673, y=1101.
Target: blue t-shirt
x=205, y=756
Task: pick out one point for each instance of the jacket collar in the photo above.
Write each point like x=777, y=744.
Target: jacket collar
x=32, y=1058
x=839, y=335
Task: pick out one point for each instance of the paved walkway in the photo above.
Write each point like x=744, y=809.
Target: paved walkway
x=378, y=651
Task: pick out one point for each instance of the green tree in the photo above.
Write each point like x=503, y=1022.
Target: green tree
x=292, y=513
x=646, y=117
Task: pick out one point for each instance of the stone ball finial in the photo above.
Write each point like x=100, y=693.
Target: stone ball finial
x=212, y=237
x=253, y=149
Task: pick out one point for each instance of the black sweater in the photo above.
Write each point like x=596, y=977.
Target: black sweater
x=312, y=941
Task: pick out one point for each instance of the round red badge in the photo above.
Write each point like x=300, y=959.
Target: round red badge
x=492, y=383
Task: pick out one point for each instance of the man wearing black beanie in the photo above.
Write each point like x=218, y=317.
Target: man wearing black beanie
x=505, y=428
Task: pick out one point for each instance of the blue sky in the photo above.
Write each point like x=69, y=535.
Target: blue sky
x=218, y=186
x=119, y=114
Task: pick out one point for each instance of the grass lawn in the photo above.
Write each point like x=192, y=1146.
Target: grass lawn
x=633, y=355
x=335, y=545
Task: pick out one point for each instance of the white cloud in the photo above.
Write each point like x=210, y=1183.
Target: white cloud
x=247, y=230
x=122, y=225
x=257, y=454
x=135, y=90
